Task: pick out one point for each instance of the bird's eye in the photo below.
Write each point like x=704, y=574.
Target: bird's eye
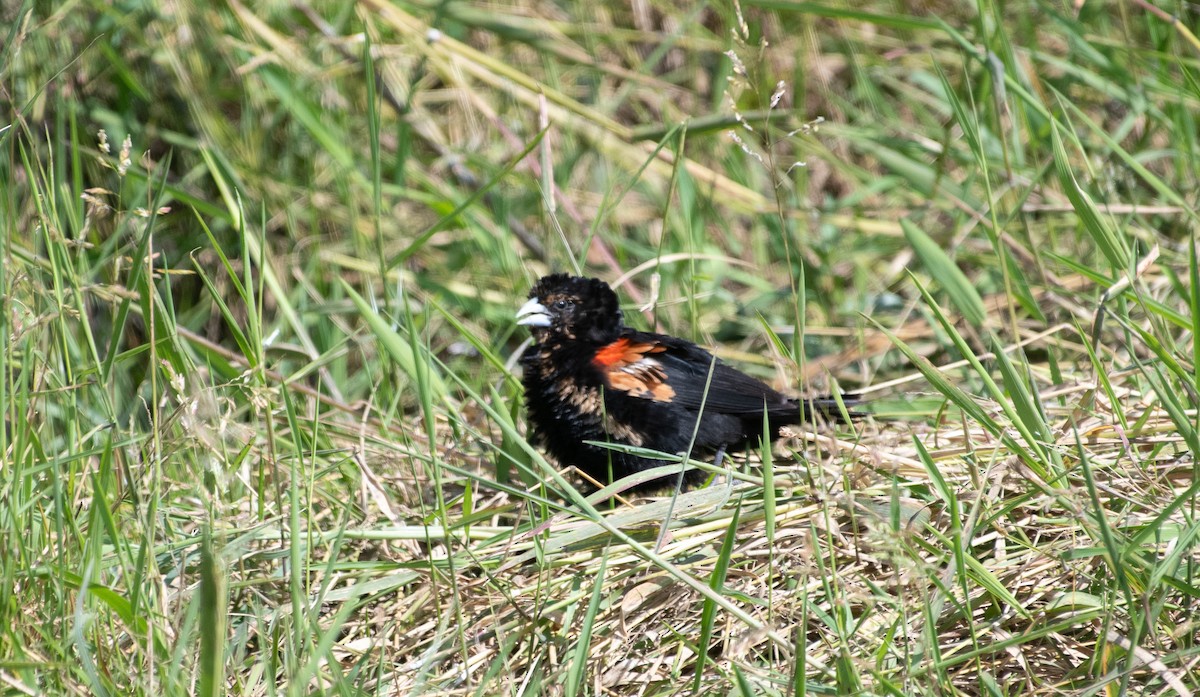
x=561, y=304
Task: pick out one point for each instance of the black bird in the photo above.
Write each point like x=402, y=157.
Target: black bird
x=588, y=377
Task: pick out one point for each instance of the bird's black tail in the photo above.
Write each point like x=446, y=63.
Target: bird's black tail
x=827, y=407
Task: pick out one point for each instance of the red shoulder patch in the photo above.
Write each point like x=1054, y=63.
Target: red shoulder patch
x=623, y=352
x=629, y=368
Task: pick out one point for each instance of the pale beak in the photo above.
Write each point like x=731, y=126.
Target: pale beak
x=533, y=314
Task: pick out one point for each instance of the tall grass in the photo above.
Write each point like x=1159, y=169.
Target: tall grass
x=262, y=431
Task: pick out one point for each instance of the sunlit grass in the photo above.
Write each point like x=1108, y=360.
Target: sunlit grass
x=262, y=432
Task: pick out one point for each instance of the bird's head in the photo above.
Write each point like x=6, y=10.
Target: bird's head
x=571, y=307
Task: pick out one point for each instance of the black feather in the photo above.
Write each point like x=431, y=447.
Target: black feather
x=572, y=397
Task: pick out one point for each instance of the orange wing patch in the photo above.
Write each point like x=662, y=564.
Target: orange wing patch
x=629, y=369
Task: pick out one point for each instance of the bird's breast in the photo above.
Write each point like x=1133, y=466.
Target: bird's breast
x=574, y=401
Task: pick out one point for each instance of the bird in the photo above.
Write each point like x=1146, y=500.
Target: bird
x=590, y=379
